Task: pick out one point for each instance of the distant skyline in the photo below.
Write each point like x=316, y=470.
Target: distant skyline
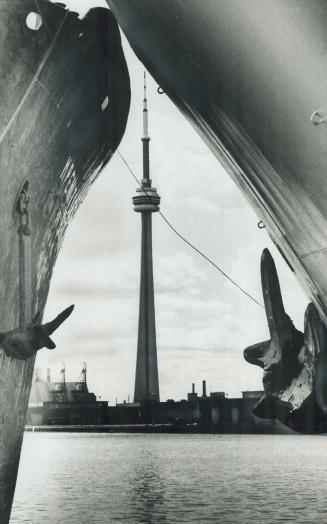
x=203, y=322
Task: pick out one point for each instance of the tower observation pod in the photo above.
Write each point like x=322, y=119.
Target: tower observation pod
x=146, y=201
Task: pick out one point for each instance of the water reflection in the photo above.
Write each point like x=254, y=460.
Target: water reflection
x=147, y=491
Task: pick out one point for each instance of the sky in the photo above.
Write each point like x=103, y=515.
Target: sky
x=203, y=322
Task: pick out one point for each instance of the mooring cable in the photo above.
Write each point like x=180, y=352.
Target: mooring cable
x=184, y=239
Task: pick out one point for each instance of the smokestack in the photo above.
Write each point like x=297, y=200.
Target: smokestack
x=193, y=388
x=48, y=375
x=204, y=388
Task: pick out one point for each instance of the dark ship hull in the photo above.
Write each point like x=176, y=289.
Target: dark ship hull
x=64, y=102
x=249, y=74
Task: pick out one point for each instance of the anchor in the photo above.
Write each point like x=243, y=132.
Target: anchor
x=294, y=363
x=23, y=342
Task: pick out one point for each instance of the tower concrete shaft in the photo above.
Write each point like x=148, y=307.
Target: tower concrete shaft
x=146, y=202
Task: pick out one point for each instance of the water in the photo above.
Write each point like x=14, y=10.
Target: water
x=225, y=479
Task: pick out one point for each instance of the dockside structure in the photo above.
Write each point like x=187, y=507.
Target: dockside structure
x=65, y=403
x=207, y=413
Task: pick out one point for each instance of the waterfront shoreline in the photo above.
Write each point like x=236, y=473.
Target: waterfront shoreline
x=154, y=428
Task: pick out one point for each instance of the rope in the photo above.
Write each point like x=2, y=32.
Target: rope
x=53, y=37
x=184, y=239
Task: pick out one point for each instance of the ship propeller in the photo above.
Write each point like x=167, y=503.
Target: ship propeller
x=23, y=343
x=294, y=363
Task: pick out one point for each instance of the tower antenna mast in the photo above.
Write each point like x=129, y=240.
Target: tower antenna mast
x=146, y=201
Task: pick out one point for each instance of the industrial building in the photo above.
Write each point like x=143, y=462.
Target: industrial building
x=199, y=413
x=64, y=403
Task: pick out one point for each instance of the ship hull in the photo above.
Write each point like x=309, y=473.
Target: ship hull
x=64, y=102
x=249, y=74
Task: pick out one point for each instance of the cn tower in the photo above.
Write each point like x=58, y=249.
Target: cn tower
x=146, y=201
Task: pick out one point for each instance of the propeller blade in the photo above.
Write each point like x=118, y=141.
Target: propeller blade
x=54, y=324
